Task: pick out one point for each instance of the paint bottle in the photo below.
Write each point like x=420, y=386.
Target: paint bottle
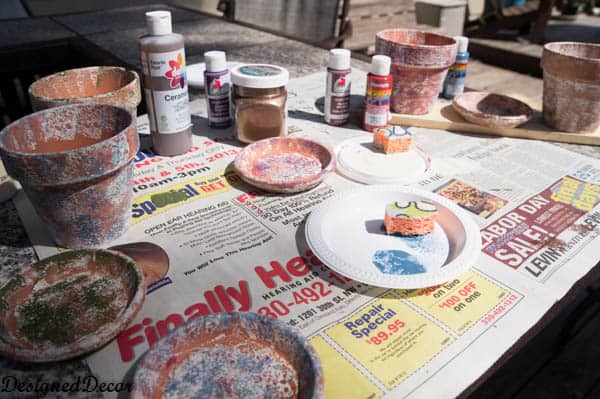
x=455, y=79
x=165, y=85
x=379, y=90
x=217, y=86
x=337, y=93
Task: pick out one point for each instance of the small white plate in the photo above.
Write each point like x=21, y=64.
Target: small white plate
x=195, y=73
x=347, y=234
x=358, y=160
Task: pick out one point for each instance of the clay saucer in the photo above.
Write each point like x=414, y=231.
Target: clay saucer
x=152, y=259
x=68, y=304
x=492, y=110
x=230, y=355
x=284, y=164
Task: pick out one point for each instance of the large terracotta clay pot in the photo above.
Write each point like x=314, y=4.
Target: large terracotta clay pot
x=572, y=86
x=75, y=163
x=103, y=84
x=420, y=61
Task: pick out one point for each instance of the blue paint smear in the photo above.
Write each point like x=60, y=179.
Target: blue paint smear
x=426, y=244
x=395, y=261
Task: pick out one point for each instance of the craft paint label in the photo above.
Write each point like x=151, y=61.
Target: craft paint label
x=168, y=92
x=376, y=119
x=337, y=97
x=377, y=101
x=218, y=88
x=169, y=65
x=455, y=80
x=172, y=110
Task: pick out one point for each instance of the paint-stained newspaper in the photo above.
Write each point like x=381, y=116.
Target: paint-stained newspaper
x=232, y=247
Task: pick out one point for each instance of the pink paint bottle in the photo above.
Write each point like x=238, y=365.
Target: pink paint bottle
x=379, y=90
x=337, y=92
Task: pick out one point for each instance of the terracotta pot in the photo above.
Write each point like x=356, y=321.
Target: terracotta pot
x=106, y=85
x=420, y=61
x=75, y=163
x=572, y=86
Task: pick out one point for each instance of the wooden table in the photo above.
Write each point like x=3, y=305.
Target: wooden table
x=113, y=34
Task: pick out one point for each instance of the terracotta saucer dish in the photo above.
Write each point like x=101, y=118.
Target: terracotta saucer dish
x=230, y=355
x=68, y=304
x=151, y=258
x=104, y=84
x=284, y=164
x=492, y=110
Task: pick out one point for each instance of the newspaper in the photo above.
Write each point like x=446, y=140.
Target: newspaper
x=234, y=248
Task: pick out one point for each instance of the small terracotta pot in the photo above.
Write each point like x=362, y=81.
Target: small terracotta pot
x=104, y=84
x=420, y=61
x=572, y=86
x=75, y=163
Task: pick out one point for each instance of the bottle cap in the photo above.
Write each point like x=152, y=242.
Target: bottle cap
x=259, y=76
x=462, y=42
x=215, y=61
x=158, y=22
x=380, y=65
x=339, y=58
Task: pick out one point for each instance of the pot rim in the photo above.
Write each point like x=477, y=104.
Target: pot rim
x=131, y=73
x=549, y=48
x=35, y=155
x=379, y=36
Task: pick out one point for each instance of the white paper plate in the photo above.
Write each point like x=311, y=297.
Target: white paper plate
x=347, y=234
x=195, y=73
x=358, y=160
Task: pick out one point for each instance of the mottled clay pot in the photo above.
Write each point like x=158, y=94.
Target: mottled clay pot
x=572, y=86
x=420, y=61
x=75, y=163
x=106, y=85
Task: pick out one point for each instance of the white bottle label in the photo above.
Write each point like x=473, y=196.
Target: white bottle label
x=168, y=65
x=172, y=110
x=376, y=119
x=171, y=107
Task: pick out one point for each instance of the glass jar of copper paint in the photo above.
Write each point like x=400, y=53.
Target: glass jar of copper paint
x=259, y=101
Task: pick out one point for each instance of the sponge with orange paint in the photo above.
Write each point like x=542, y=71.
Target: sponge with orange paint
x=410, y=218
x=392, y=139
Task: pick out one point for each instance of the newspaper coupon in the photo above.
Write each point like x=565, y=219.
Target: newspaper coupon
x=232, y=247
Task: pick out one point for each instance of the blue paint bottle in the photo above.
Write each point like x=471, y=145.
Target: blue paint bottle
x=455, y=79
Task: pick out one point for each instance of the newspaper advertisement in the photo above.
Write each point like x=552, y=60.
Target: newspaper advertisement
x=232, y=247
